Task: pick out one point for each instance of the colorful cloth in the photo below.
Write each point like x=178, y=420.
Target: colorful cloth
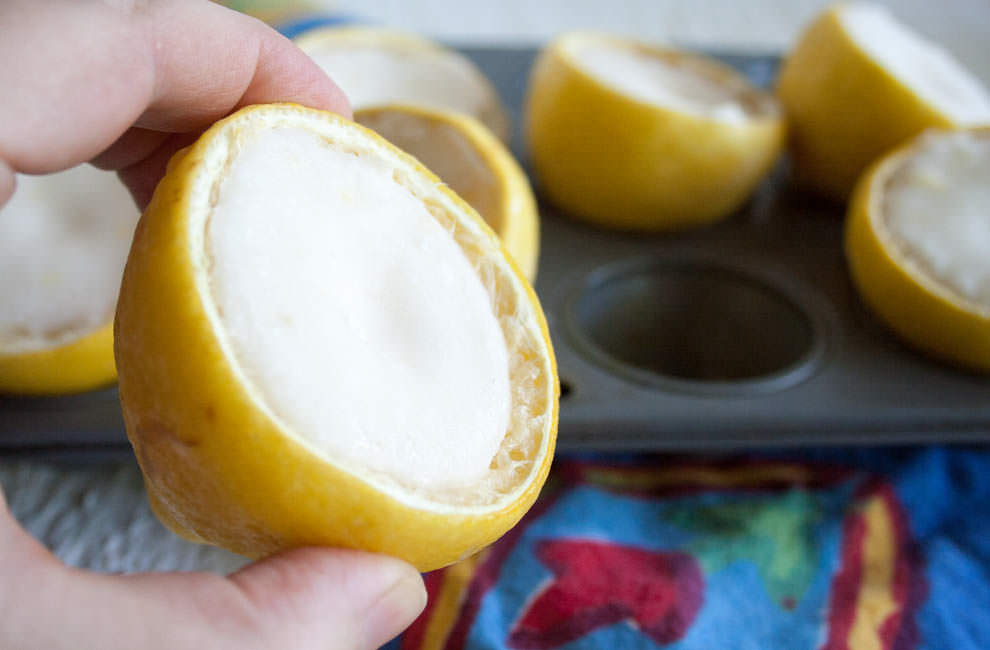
x=881, y=549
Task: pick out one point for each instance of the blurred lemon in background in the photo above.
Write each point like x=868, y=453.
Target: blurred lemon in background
x=634, y=136
x=63, y=241
x=473, y=163
x=859, y=83
x=918, y=244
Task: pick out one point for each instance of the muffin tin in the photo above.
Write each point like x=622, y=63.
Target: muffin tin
x=747, y=333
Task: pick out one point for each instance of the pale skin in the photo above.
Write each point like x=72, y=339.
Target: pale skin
x=125, y=84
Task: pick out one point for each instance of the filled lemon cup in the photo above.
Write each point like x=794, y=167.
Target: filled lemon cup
x=319, y=343
x=63, y=241
x=473, y=163
x=636, y=136
x=858, y=83
x=375, y=66
x=917, y=241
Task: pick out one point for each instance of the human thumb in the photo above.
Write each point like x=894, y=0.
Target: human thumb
x=305, y=599
x=337, y=598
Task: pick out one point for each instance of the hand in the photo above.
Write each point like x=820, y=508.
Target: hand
x=126, y=84
x=304, y=599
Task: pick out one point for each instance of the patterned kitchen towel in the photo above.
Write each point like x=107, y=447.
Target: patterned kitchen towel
x=832, y=550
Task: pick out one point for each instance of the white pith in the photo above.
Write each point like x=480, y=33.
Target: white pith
x=531, y=408
x=63, y=242
x=928, y=70
x=668, y=80
x=936, y=210
x=446, y=152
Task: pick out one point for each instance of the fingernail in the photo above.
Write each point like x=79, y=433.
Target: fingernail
x=402, y=599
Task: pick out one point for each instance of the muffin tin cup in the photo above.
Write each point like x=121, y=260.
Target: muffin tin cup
x=695, y=325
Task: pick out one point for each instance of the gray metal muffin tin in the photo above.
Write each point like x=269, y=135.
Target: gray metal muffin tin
x=747, y=333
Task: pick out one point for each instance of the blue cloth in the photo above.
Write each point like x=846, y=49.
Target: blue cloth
x=833, y=549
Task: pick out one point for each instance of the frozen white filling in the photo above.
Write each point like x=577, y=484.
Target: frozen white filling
x=446, y=153
x=63, y=242
x=937, y=207
x=655, y=80
x=355, y=314
x=923, y=66
x=374, y=76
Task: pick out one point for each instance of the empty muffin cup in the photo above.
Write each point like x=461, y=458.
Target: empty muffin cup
x=696, y=325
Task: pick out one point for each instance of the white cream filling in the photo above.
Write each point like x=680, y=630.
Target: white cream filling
x=929, y=70
x=63, y=242
x=937, y=207
x=446, y=153
x=355, y=314
x=375, y=76
x=656, y=80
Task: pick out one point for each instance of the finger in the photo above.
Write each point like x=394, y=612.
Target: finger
x=82, y=75
x=359, y=599
x=307, y=599
x=87, y=71
x=131, y=148
x=142, y=177
x=211, y=61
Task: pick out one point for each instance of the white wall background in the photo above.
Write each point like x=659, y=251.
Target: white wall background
x=963, y=26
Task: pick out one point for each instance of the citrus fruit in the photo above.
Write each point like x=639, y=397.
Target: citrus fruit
x=635, y=136
x=376, y=66
x=857, y=84
x=918, y=244
x=473, y=163
x=320, y=344
x=63, y=241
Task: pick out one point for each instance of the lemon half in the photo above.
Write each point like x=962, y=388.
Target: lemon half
x=918, y=244
x=857, y=84
x=376, y=66
x=320, y=343
x=628, y=135
x=473, y=163
x=63, y=241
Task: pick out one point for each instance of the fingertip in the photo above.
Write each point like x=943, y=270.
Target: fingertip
x=338, y=594
x=211, y=60
x=337, y=100
x=286, y=73
x=395, y=610
x=324, y=93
